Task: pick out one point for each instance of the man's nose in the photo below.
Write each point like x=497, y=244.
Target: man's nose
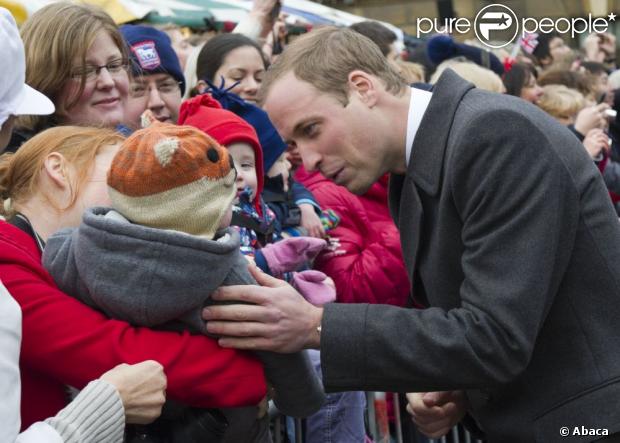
x=155, y=100
x=310, y=158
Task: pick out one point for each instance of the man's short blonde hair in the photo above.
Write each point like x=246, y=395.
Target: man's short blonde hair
x=325, y=57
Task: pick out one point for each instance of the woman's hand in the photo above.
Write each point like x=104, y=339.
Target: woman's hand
x=142, y=388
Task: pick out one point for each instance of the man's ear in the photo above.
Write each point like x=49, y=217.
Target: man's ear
x=201, y=86
x=56, y=171
x=364, y=86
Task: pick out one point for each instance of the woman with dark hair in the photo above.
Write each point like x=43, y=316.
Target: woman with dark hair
x=520, y=81
x=235, y=60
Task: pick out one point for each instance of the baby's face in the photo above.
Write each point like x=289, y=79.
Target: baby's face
x=245, y=163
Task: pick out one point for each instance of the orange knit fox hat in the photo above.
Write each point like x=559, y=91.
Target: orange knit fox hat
x=172, y=177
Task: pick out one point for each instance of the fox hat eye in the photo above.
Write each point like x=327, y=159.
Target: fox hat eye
x=213, y=155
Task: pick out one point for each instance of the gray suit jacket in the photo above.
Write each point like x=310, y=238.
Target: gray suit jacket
x=510, y=237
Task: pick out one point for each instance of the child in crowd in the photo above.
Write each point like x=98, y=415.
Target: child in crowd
x=561, y=103
x=154, y=259
x=297, y=211
x=564, y=104
x=253, y=219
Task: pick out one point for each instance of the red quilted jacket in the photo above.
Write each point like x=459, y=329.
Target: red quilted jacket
x=372, y=270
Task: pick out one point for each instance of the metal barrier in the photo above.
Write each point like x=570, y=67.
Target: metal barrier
x=377, y=423
x=280, y=427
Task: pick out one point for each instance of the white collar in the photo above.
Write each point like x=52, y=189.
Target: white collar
x=417, y=107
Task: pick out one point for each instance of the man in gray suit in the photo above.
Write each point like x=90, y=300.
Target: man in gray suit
x=508, y=234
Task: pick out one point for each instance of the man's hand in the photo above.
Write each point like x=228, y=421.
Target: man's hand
x=591, y=47
x=142, y=388
x=262, y=11
x=599, y=47
x=273, y=317
x=435, y=413
x=607, y=44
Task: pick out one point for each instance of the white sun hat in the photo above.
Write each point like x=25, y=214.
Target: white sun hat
x=16, y=97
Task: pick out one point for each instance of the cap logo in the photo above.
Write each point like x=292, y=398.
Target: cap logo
x=147, y=55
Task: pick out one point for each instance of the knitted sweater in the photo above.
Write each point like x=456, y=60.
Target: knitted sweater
x=96, y=414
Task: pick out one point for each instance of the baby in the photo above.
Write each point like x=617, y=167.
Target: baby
x=156, y=256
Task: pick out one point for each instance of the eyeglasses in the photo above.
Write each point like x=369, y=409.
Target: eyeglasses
x=91, y=72
x=140, y=90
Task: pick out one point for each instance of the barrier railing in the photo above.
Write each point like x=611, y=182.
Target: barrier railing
x=287, y=430
x=377, y=403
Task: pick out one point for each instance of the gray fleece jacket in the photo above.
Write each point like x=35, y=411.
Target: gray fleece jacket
x=159, y=278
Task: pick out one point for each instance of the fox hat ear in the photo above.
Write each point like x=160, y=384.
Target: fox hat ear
x=147, y=119
x=165, y=149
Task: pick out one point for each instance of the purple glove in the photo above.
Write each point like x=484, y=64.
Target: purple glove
x=314, y=288
x=288, y=254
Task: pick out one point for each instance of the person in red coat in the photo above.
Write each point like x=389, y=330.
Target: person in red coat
x=372, y=269
x=45, y=187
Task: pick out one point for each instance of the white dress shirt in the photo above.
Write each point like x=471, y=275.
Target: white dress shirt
x=417, y=107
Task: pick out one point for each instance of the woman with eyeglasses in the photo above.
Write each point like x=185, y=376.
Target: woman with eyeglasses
x=76, y=56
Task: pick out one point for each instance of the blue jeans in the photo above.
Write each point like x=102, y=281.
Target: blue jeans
x=341, y=419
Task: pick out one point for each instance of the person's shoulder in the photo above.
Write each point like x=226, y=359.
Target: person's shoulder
x=491, y=128
x=486, y=102
x=502, y=113
x=16, y=244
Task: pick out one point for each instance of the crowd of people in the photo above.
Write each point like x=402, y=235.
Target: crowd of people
x=196, y=230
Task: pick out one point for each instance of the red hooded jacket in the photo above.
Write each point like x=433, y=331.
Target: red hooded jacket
x=372, y=270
